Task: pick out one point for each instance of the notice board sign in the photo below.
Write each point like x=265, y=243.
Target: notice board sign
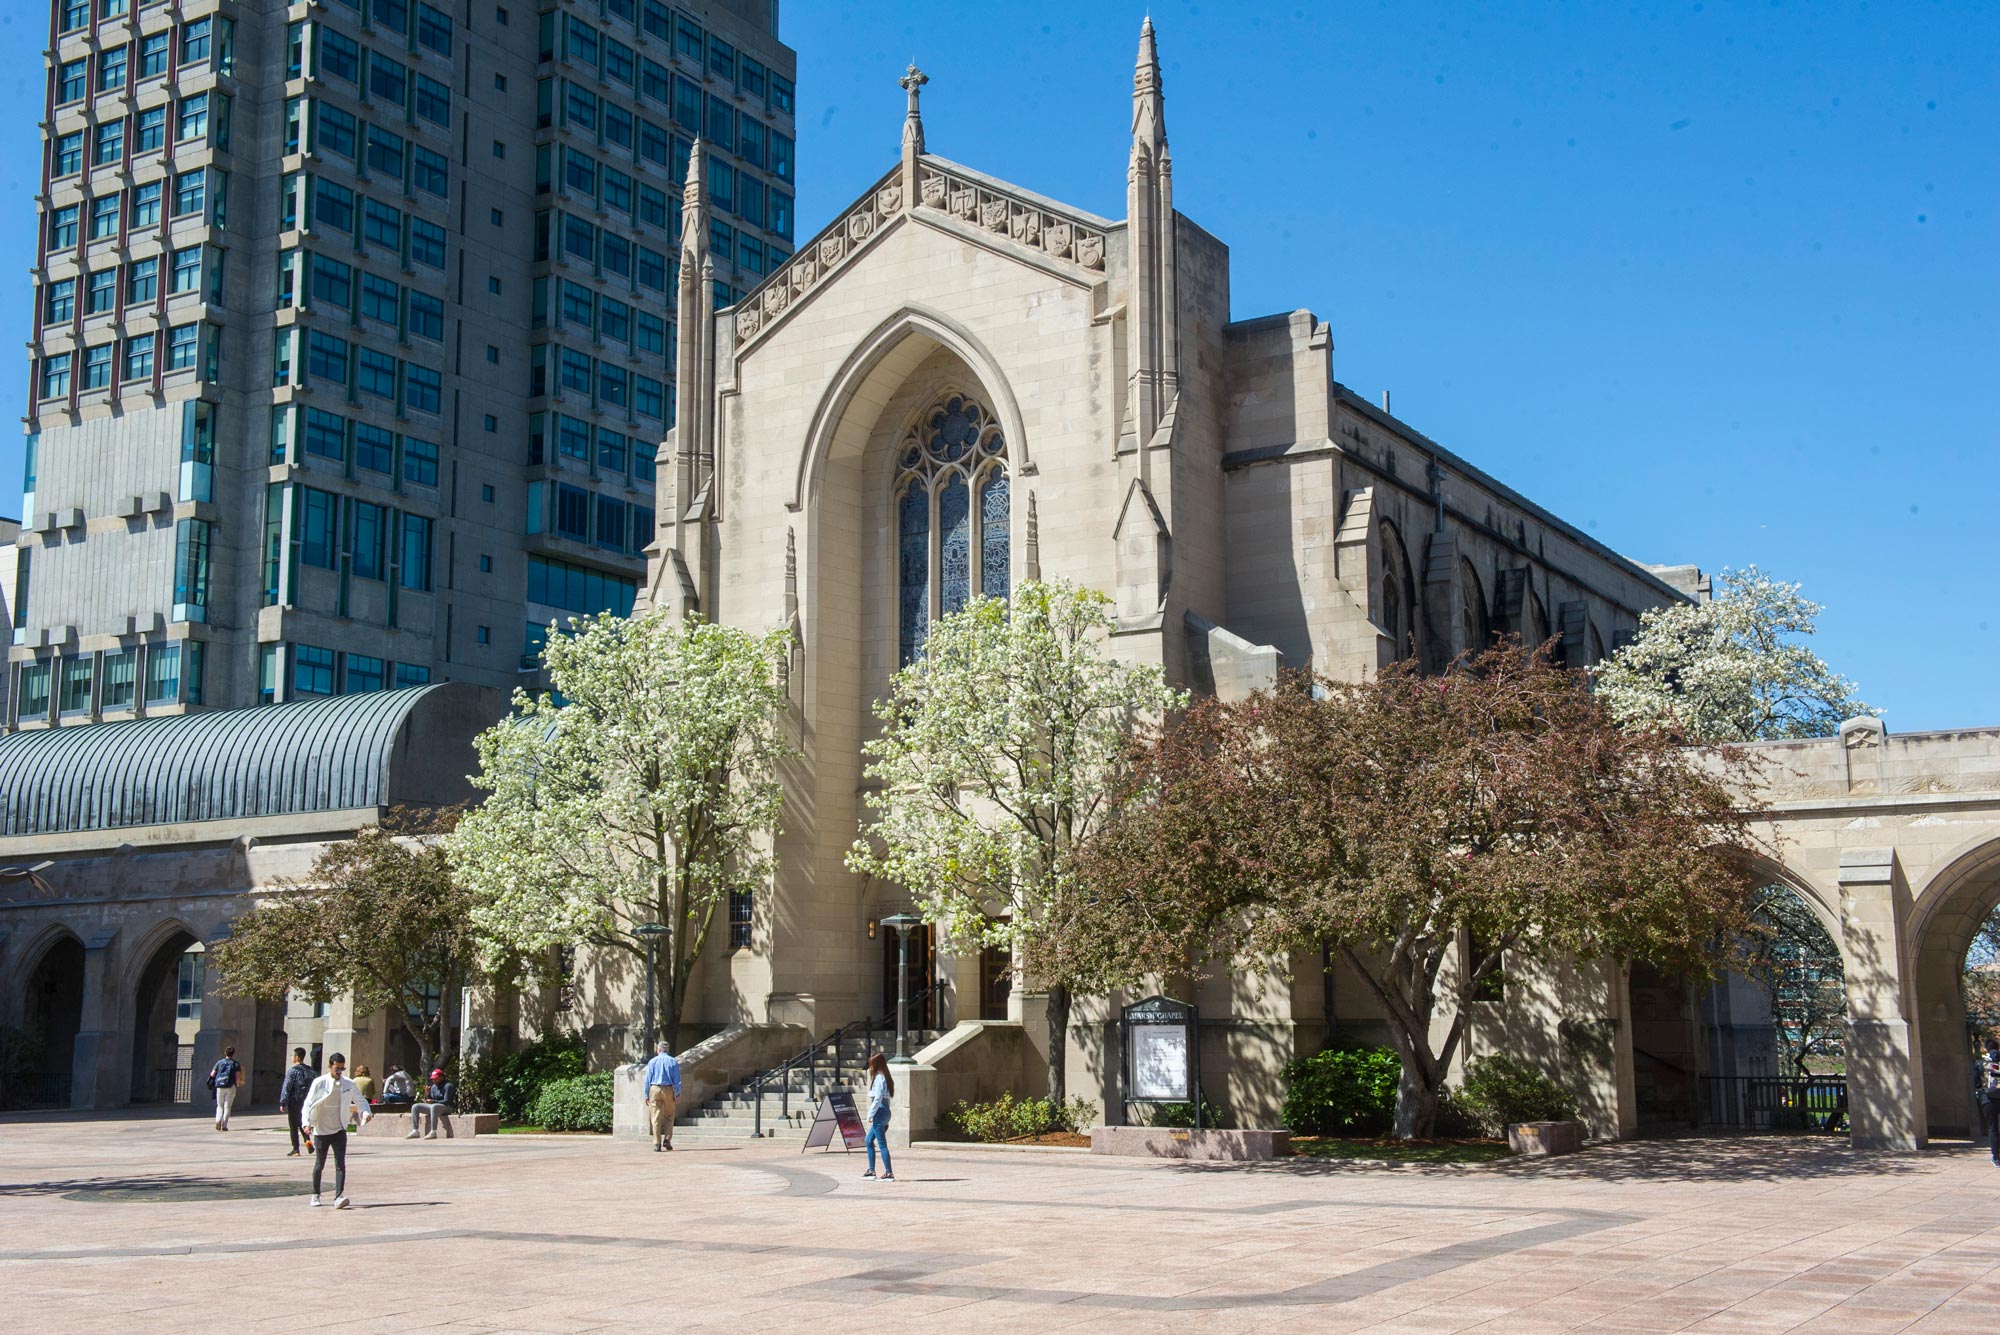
x=836, y=1112
x=1162, y=1059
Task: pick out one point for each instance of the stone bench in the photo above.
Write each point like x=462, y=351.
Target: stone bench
x=1156, y=1142
x=394, y=1120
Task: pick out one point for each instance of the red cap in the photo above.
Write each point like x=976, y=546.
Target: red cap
x=438, y=1074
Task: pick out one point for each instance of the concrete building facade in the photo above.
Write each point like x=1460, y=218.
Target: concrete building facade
x=350, y=337
x=126, y=848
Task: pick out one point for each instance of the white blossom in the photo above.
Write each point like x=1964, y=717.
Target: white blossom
x=992, y=761
x=644, y=789
x=1733, y=669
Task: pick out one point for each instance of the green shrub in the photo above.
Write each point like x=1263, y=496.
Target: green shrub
x=1500, y=1090
x=522, y=1074
x=1346, y=1091
x=1454, y=1120
x=1009, y=1118
x=1181, y=1116
x=575, y=1103
x=478, y=1079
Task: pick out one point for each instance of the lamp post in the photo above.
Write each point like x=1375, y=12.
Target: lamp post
x=902, y=922
x=652, y=931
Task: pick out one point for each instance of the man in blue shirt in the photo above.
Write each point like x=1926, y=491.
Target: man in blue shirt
x=663, y=1090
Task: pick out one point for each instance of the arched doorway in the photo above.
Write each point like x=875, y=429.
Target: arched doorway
x=54, y=1013
x=166, y=1013
x=1951, y=913
x=909, y=506
x=1774, y=1025
x=1760, y=1047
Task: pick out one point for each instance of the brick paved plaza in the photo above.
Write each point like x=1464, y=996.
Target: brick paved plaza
x=147, y=1224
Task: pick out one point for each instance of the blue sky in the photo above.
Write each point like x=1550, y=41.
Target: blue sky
x=1715, y=282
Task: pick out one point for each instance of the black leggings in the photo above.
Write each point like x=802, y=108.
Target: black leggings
x=292, y=1124
x=337, y=1142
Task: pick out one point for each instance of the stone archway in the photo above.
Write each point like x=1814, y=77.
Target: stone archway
x=852, y=470
x=1949, y=911
x=52, y=1015
x=165, y=1013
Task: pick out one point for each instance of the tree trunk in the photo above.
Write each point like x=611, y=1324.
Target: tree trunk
x=1416, y=1103
x=1326, y=999
x=1059, y=1000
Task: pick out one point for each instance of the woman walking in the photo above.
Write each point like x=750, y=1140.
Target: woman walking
x=880, y=1088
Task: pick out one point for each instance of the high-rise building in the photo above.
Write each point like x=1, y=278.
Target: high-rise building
x=353, y=331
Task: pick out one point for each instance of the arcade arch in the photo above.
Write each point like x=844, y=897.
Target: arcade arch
x=52, y=1015
x=1950, y=909
x=165, y=1014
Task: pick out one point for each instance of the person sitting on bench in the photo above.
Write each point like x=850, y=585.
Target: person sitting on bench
x=434, y=1107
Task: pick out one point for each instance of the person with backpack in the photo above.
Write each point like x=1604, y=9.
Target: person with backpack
x=223, y=1078
x=292, y=1095
x=332, y=1105
x=1986, y=1094
x=881, y=1088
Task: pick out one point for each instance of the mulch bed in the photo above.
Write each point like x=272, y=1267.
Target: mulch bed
x=1068, y=1140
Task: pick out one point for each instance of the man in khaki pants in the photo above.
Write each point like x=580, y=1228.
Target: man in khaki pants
x=663, y=1091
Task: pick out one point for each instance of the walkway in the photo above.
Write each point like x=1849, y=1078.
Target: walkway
x=116, y=1225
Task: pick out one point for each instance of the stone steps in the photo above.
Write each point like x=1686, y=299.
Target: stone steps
x=732, y=1115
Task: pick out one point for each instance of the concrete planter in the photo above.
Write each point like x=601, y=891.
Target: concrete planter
x=1539, y=1140
x=1156, y=1142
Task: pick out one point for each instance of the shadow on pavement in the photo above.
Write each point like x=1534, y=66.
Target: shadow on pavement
x=1674, y=1159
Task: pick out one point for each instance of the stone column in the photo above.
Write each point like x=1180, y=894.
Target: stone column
x=1885, y=1081
x=94, y=1061
x=491, y=1021
x=225, y=1022
x=357, y=1037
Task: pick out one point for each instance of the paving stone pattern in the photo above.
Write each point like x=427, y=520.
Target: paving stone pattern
x=145, y=1223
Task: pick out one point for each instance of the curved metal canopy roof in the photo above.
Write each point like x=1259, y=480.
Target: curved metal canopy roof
x=331, y=754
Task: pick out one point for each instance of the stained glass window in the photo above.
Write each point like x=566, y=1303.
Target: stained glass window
x=993, y=580
x=914, y=546
x=954, y=544
x=954, y=452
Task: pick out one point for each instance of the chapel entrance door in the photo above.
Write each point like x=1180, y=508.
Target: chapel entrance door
x=996, y=981
x=921, y=969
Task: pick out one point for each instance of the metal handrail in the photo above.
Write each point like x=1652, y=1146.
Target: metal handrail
x=810, y=1059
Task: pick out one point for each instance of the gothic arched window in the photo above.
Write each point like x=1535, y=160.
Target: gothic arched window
x=951, y=516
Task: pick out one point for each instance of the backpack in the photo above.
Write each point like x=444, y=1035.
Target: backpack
x=222, y=1075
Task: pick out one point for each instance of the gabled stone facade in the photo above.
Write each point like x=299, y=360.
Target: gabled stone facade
x=1243, y=509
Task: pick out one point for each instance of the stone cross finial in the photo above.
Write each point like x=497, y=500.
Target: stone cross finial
x=912, y=83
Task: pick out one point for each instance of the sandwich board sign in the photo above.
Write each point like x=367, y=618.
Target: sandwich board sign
x=836, y=1111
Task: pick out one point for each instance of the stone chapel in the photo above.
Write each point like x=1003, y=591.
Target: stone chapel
x=959, y=384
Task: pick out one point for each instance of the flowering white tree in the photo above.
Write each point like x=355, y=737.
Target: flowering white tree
x=1733, y=669
x=993, y=763
x=644, y=790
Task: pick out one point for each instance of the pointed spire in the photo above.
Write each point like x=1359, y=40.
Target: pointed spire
x=1149, y=112
x=694, y=206
x=913, y=82
x=1034, y=546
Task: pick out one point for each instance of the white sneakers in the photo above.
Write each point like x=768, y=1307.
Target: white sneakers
x=340, y=1202
x=411, y=1136
x=315, y=1202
